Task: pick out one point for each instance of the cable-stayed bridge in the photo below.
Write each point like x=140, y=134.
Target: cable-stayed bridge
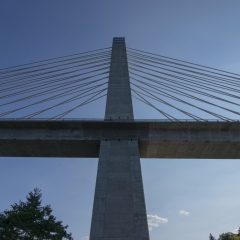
x=198, y=118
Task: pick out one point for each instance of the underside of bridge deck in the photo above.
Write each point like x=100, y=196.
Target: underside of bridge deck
x=217, y=140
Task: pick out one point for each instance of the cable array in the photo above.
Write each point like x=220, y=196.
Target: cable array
x=58, y=87
x=183, y=90
x=45, y=88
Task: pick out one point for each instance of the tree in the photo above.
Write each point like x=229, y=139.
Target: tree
x=30, y=221
x=238, y=234
x=211, y=237
x=228, y=236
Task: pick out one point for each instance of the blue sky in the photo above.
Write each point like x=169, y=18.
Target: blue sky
x=204, y=32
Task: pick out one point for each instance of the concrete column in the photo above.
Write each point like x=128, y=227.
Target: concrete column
x=119, y=100
x=119, y=211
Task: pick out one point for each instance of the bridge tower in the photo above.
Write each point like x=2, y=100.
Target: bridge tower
x=119, y=210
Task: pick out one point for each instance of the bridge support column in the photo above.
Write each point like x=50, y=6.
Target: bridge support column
x=119, y=211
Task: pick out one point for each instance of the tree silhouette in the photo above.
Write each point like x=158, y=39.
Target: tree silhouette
x=30, y=221
x=211, y=237
x=228, y=236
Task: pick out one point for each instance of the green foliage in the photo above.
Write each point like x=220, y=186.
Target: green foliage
x=238, y=234
x=30, y=221
x=211, y=237
x=228, y=236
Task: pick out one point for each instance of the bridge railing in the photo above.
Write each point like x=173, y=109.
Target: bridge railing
x=109, y=120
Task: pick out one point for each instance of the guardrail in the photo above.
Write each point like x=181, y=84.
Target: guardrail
x=112, y=120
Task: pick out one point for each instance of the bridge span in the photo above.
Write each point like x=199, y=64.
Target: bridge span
x=81, y=138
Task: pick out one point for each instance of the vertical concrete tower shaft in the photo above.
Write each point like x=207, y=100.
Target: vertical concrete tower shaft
x=119, y=211
x=119, y=100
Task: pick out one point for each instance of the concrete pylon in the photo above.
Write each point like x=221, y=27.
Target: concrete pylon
x=119, y=210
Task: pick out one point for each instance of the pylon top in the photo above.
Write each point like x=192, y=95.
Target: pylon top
x=118, y=40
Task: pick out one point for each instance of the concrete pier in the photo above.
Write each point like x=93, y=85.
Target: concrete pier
x=119, y=210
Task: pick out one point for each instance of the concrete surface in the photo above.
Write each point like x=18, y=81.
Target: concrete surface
x=119, y=211
x=217, y=140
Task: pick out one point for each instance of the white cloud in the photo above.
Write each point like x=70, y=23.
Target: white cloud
x=183, y=212
x=154, y=220
x=85, y=238
x=235, y=231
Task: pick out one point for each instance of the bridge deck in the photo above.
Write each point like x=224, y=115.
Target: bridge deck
x=204, y=140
